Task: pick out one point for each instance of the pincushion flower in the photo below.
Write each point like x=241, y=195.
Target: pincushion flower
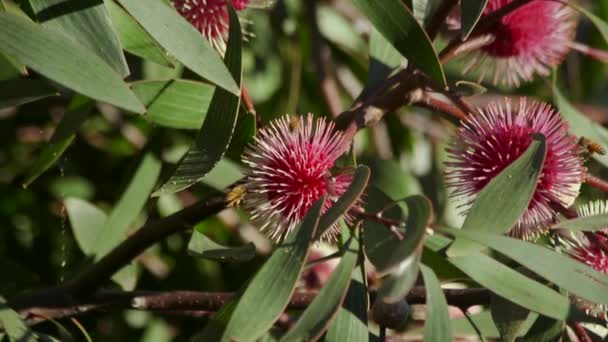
x=530, y=40
x=210, y=18
x=289, y=169
x=494, y=137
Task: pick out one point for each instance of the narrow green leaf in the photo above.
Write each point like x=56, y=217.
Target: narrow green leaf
x=201, y=246
x=87, y=22
x=87, y=222
x=508, y=317
x=340, y=31
x=351, y=321
x=437, y=325
x=274, y=283
x=384, y=249
x=184, y=42
x=544, y=329
x=224, y=174
x=20, y=91
x=175, y=103
x=244, y=132
x=214, y=137
x=471, y=11
x=598, y=22
x=511, y=284
x=424, y=9
x=14, y=327
x=55, y=56
x=584, y=223
x=397, y=24
x=320, y=313
x=580, y=125
x=401, y=280
x=133, y=38
x=504, y=199
x=130, y=204
x=346, y=201
x=10, y=68
x=77, y=112
x=571, y=275
x=383, y=59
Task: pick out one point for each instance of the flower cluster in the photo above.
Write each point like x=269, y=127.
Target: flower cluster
x=290, y=164
x=494, y=137
x=210, y=17
x=530, y=40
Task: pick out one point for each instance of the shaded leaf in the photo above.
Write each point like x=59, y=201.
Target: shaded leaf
x=320, y=313
x=580, y=125
x=175, y=103
x=505, y=198
x=571, y=275
x=471, y=11
x=14, y=326
x=383, y=59
x=214, y=136
x=545, y=329
x=437, y=325
x=508, y=317
x=274, y=283
x=88, y=23
x=401, y=280
x=201, y=246
x=133, y=38
x=129, y=206
x=384, y=249
x=184, y=42
x=10, y=68
x=397, y=24
x=350, y=323
x=598, y=22
x=77, y=112
x=87, y=222
x=511, y=284
x=54, y=56
x=20, y=91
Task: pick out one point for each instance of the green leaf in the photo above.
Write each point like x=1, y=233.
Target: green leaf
x=245, y=130
x=437, y=325
x=345, y=202
x=471, y=11
x=14, y=327
x=571, y=275
x=87, y=22
x=340, y=31
x=20, y=91
x=511, y=284
x=504, y=199
x=214, y=136
x=201, y=246
x=133, y=38
x=584, y=223
x=384, y=249
x=87, y=223
x=383, y=59
x=398, y=25
x=580, y=125
x=424, y=9
x=400, y=282
x=184, y=42
x=129, y=206
x=320, y=313
x=508, y=317
x=77, y=112
x=55, y=56
x=175, y=103
x=392, y=179
x=544, y=329
x=10, y=68
x=351, y=321
x=598, y=22
x=274, y=283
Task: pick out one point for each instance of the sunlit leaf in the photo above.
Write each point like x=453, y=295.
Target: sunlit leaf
x=14, y=326
x=584, y=223
x=203, y=247
x=55, y=56
x=351, y=321
x=437, y=325
x=505, y=198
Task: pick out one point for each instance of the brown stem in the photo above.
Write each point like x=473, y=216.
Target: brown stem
x=95, y=275
x=428, y=101
x=322, y=60
x=42, y=308
x=250, y=107
x=596, y=182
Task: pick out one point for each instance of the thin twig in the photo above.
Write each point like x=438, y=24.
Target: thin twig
x=596, y=182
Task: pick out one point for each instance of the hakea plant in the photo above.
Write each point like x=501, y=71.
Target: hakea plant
x=529, y=41
x=289, y=168
x=495, y=136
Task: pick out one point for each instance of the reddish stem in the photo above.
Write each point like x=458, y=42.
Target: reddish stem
x=596, y=182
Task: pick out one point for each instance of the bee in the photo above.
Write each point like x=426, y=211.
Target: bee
x=236, y=195
x=295, y=122
x=591, y=146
